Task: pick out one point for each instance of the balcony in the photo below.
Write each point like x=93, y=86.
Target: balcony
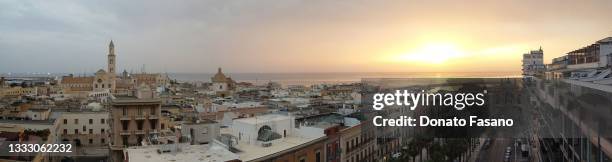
x=125, y=118
x=124, y=132
x=152, y=117
x=591, y=65
x=139, y=117
x=154, y=131
x=139, y=132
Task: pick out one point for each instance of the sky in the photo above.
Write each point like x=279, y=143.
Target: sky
x=287, y=36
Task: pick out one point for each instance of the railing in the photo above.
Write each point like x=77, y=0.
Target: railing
x=359, y=145
x=125, y=132
x=139, y=132
x=138, y=117
x=152, y=116
x=125, y=118
x=142, y=131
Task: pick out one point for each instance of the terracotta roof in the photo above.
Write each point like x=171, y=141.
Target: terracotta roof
x=77, y=80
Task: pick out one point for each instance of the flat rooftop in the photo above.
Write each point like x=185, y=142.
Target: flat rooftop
x=263, y=118
x=201, y=153
x=253, y=152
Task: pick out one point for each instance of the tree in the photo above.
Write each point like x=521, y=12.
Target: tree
x=412, y=150
x=455, y=147
x=436, y=153
x=422, y=141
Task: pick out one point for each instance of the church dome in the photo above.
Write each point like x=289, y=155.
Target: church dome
x=219, y=77
x=101, y=71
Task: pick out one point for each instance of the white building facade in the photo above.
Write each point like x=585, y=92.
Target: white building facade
x=533, y=63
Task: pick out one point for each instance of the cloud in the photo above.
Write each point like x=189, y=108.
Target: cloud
x=274, y=36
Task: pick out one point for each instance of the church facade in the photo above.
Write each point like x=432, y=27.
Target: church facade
x=108, y=80
x=222, y=85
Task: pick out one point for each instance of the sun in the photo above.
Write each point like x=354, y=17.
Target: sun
x=433, y=53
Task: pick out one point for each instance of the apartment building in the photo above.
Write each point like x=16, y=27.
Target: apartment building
x=533, y=64
x=133, y=120
x=87, y=128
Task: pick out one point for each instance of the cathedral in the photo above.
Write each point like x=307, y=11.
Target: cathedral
x=108, y=82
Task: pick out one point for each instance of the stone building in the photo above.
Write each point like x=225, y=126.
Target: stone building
x=134, y=121
x=86, y=128
x=108, y=80
x=200, y=131
x=222, y=85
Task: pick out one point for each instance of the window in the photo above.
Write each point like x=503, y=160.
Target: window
x=153, y=123
x=102, y=140
x=102, y=121
x=65, y=131
x=139, y=124
x=76, y=131
x=65, y=121
x=125, y=140
x=125, y=125
x=318, y=156
x=90, y=141
x=90, y=121
x=152, y=111
x=347, y=146
x=90, y=131
x=84, y=128
x=102, y=131
x=102, y=85
x=139, y=111
x=124, y=112
x=76, y=121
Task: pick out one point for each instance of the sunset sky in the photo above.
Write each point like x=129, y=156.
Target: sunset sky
x=292, y=35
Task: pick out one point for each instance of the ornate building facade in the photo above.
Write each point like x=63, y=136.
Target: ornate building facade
x=222, y=85
x=108, y=81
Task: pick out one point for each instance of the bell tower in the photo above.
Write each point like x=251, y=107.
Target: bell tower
x=111, y=58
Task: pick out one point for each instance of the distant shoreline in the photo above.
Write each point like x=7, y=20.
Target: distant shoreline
x=310, y=78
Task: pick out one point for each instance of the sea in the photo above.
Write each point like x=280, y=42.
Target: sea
x=334, y=78
x=306, y=78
